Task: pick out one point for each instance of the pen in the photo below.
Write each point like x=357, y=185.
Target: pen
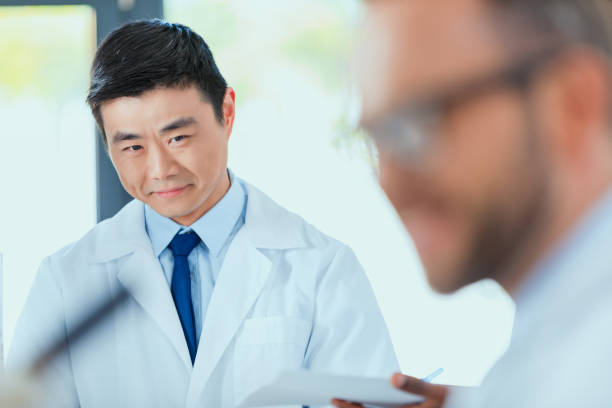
x=433, y=375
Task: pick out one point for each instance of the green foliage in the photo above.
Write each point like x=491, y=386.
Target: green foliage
x=251, y=38
x=322, y=49
x=45, y=52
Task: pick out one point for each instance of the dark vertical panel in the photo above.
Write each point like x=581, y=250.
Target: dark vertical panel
x=110, y=195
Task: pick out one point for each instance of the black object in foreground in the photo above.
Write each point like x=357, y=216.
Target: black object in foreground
x=102, y=312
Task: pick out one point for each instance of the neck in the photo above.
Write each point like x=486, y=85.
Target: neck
x=564, y=213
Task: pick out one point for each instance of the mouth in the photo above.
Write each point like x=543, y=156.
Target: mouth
x=170, y=193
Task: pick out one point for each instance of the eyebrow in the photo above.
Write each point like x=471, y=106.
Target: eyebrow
x=121, y=136
x=179, y=123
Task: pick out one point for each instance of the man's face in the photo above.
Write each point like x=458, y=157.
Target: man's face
x=471, y=195
x=169, y=149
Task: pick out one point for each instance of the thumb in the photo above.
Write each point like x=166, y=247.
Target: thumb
x=419, y=387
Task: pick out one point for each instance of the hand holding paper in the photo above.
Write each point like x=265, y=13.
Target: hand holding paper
x=435, y=395
x=308, y=388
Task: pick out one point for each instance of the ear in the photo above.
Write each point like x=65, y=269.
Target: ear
x=229, y=110
x=577, y=101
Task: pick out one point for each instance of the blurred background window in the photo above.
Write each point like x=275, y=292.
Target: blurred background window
x=287, y=61
x=47, y=154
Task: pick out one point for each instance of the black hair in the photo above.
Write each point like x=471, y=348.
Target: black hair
x=144, y=55
x=572, y=21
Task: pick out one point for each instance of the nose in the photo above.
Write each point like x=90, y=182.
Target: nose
x=161, y=164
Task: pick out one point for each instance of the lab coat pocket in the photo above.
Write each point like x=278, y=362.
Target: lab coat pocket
x=264, y=346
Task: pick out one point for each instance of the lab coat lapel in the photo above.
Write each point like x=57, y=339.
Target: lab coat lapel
x=142, y=276
x=241, y=279
x=123, y=240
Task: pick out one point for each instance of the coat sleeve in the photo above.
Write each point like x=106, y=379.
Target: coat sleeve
x=41, y=323
x=349, y=335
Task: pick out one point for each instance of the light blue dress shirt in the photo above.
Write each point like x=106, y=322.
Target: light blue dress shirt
x=561, y=350
x=216, y=230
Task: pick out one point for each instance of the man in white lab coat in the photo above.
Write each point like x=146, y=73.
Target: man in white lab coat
x=492, y=120
x=226, y=287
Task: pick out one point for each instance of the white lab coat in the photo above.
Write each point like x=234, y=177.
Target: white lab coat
x=287, y=297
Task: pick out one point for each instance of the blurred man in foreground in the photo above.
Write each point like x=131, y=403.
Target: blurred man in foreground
x=492, y=125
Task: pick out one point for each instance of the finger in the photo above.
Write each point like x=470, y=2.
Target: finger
x=410, y=384
x=345, y=404
x=416, y=386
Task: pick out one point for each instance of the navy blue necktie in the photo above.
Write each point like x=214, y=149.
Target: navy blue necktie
x=181, y=246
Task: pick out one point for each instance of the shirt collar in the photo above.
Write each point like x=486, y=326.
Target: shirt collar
x=214, y=227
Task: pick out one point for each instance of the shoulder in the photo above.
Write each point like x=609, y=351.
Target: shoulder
x=279, y=228
x=102, y=240
x=308, y=253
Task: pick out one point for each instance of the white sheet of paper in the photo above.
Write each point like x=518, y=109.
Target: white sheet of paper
x=308, y=388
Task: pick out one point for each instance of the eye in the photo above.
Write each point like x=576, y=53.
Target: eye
x=177, y=139
x=133, y=148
